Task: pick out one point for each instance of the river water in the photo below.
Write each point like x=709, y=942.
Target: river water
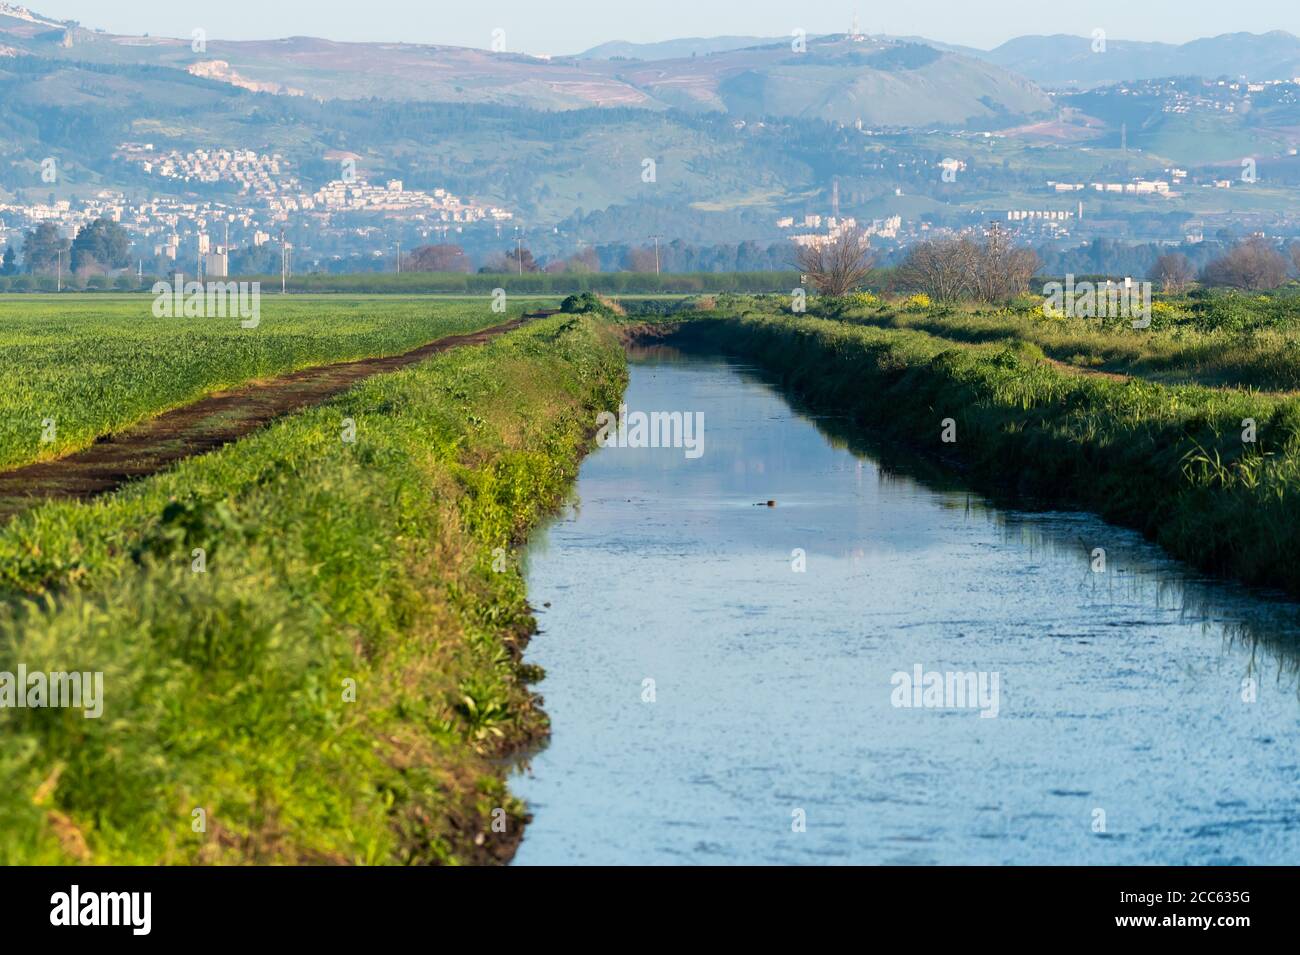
x=713, y=703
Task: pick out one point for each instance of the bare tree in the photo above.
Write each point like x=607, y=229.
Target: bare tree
x=942, y=269
x=836, y=265
x=1254, y=265
x=436, y=258
x=949, y=269
x=1295, y=255
x=639, y=259
x=1001, y=269
x=1173, y=271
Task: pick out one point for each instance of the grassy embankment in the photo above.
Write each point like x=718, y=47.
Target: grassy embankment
x=1213, y=338
x=94, y=366
x=329, y=565
x=1167, y=459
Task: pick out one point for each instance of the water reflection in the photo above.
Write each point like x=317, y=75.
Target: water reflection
x=1122, y=735
x=1264, y=622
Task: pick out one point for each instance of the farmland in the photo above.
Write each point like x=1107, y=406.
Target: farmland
x=314, y=646
x=335, y=683
x=78, y=367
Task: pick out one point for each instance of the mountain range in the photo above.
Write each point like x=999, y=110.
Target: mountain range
x=744, y=130
x=1057, y=61
x=1072, y=61
x=880, y=82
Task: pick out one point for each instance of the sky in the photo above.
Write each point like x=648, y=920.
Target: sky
x=570, y=26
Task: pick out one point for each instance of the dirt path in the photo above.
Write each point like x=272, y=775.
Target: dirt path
x=1122, y=376
x=1087, y=372
x=212, y=421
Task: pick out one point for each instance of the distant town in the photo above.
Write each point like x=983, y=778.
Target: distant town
x=197, y=233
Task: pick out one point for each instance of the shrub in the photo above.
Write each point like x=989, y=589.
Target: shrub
x=581, y=304
x=1164, y=315
x=864, y=300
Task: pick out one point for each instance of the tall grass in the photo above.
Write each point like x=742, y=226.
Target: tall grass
x=1179, y=348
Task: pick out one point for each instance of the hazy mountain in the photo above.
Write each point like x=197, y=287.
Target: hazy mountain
x=1061, y=60
x=874, y=80
x=562, y=142
x=1055, y=61
x=704, y=46
x=675, y=49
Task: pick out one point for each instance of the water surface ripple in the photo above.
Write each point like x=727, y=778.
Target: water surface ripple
x=1120, y=693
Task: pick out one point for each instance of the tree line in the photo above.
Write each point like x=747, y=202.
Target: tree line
x=986, y=269
x=99, y=247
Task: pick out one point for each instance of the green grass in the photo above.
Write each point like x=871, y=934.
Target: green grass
x=95, y=364
x=1215, y=338
x=326, y=562
x=1169, y=460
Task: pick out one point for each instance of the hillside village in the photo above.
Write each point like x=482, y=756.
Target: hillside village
x=270, y=195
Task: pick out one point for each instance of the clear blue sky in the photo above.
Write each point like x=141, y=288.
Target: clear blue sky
x=569, y=26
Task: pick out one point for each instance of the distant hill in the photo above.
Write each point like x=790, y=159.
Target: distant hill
x=741, y=134
x=675, y=49
x=1057, y=61
x=875, y=80
x=1069, y=61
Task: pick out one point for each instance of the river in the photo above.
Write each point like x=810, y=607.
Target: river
x=727, y=680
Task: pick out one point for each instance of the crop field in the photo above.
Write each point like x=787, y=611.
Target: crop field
x=78, y=367
x=337, y=683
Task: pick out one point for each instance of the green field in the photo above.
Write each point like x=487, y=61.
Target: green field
x=337, y=684
x=95, y=364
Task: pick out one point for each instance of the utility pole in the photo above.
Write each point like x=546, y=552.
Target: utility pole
x=59, y=272
x=519, y=249
x=399, y=256
x=656, y=237
x=284, y=263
